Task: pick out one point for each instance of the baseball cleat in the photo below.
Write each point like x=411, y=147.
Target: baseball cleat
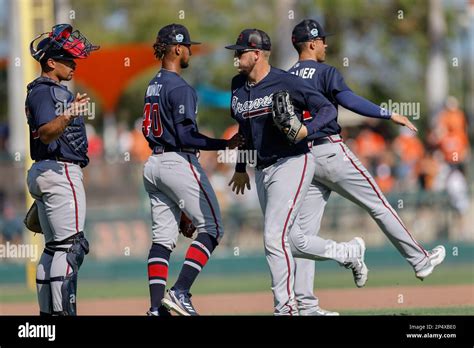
x=162, y=311
x=318, y=312
x=357, y=264
x=435, y=257
x=179, y=301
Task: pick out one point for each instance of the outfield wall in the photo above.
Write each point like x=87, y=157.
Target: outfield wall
x=225, y=263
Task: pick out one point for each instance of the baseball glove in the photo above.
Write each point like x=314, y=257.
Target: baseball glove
x=186, y=226
x=31, y=220
x=284, y=115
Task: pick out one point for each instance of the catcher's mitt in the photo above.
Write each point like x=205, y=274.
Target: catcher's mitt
x=186, y=226
x=31, y=220
x=284, y=115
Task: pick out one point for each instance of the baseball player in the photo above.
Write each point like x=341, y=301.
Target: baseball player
x=339, y=170
x=173, y=177
x=285, y=166
x=58, y=145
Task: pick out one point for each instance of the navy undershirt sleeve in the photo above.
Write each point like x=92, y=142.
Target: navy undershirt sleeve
x=361, y=106
x=190, y=137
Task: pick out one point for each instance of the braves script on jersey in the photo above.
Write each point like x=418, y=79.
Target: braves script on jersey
x=252, y=108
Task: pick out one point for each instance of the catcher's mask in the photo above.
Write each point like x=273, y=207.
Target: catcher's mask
x=61, y=43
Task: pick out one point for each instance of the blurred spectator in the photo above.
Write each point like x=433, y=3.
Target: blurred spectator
x=11, y=226
x=427, y=170
x=451, y=133
x=140, y=150
x=369, y=147
x=96, y=145
x=409, y=149
x=450, y=136
x=383, y=173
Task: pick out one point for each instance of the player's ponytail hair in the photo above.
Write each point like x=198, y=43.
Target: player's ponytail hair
x=160, y=49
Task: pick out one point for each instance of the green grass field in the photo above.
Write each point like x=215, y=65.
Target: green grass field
x=208, y=284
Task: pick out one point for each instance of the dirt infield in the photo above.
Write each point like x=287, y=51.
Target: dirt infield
x=261, y=302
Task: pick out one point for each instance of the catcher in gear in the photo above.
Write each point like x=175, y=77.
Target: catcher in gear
x=58, y=145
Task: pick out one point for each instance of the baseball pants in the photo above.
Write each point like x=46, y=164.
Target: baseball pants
x=339, y=170
x=59, y=192
x=281, y=197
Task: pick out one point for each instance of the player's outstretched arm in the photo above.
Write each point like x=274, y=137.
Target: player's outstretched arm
x=239, y=181
x=190, y=137
x=364, y=107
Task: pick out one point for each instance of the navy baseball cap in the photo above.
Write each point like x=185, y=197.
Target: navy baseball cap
x=174, y=34
x=252, y=39
x=307, y=30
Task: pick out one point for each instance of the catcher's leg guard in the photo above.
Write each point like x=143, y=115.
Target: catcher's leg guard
x=43, y=286
x=66, y=264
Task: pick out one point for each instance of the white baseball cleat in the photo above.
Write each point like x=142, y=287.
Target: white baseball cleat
x=179, y=301
x=435, y=256
x=318, y=312
x=357, y=264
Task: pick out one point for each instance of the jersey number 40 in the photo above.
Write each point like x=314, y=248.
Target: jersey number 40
x=151, y=118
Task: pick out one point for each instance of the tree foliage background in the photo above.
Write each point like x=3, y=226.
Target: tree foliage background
x=381, y=47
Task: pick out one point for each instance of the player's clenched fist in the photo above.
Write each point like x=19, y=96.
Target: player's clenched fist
x=236, y=141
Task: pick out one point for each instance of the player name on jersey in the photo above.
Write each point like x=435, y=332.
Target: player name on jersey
x=153, y=90
x=306, y=73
